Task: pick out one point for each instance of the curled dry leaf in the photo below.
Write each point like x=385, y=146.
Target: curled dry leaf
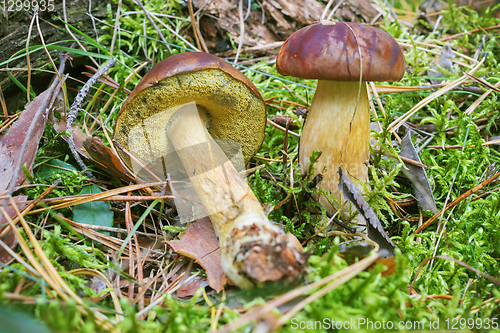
x=417, y=176
x=104, y=157
x=92, y=148
x=375, y=230
x=200, y=243
x=190, y=288
x=283, y=18
x=12, y=141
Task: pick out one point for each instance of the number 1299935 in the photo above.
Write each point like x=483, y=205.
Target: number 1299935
x=27, y=5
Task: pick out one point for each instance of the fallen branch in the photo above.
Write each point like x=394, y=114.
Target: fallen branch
x=75, y=107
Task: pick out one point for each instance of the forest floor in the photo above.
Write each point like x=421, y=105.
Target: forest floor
x=88, y=243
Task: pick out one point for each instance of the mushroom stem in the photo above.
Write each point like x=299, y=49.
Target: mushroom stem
x=342, y=132
x=253, y=250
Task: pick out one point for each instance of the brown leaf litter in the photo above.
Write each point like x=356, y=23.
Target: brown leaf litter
x=199, y=242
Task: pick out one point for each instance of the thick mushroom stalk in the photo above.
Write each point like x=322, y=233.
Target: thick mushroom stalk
x=159, y=125
x=338, y=124
x=339, y=55
x=253, y=250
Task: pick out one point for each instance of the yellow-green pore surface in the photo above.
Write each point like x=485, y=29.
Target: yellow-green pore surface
x=234, y=112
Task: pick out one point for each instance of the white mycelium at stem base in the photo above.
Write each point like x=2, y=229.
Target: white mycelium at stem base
x=252, y=249
x=342, y=132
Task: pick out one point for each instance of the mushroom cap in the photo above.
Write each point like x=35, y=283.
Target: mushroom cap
x=331, y=51
x=233, y=105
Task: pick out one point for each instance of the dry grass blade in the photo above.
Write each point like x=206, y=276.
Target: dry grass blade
x=97, y=274
x=148, y=15
x=108, y=241
x=426, y=260
x=456, y=201
x=285, y=298
x=443, y=39
x=478, y=101
x=47, y=271
x=100, y=196
x=401, y=120
x=281, y=128
x=396, y=89
x=404, y=43
x=349, y=273
x=161, y=299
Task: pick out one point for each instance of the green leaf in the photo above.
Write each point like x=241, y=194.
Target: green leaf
x=54, y=167
x=78, y=52
x=96, y=213
x=14, y=321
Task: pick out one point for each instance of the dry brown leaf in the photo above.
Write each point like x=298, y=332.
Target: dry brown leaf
x=9, y=239
x=200, y=243
x=11, y=143
x=190, y=288
x=103, y=156
x=375, y=230
x=275, y=21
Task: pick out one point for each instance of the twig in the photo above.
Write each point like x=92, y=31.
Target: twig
x=75, y=107
x=242, y=31
x=285, y=298
x=196, y=31
x=35, y=14
x=4, y=106
x=272, y=123
x=154, y=25
x=71, y=33
x=468, y=32
x=61, y=59
x=456, y=201
x=117, y=22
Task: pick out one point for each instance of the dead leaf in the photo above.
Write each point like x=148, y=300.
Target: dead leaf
x=103, y=156
x=358, y=11
x=273, y=22
x=9, y=239
x=375, y=230
x=190, y=288
x=417, y=176
x=200, y=243
x=389, y=263
x=12, y=141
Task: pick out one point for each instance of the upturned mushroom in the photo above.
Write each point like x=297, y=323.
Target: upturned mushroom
x=342, y=57
x=182, y=104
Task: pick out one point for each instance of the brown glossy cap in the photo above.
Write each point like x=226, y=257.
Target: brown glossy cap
x=233, y=105
x=186, y=63
x=331, y=51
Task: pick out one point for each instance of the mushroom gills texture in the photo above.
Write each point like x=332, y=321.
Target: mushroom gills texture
x=253, y=250
x=338, y=125
x=142, y=123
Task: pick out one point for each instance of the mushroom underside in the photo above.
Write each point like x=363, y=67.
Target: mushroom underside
x=140, y=128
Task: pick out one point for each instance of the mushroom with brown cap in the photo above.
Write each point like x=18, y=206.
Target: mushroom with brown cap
x=182, y=104
x=342, y=57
